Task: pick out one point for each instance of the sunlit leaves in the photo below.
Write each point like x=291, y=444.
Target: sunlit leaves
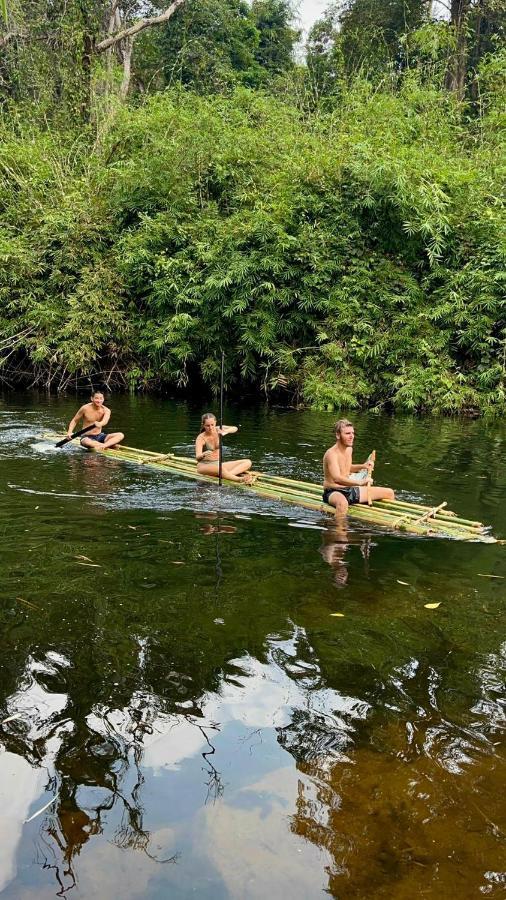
x=352, y=259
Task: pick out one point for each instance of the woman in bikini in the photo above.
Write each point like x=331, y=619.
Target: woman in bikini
x=207, y=452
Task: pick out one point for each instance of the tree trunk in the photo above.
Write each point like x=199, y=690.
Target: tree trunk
x=457, y=66
x=86, y=64
x=127, y=47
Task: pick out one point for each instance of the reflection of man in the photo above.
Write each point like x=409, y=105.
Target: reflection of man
x=333, y=550
x=95, y=413
x=339, y=488
x=336, y=541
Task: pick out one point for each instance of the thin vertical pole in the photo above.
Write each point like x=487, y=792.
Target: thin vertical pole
x=221, y=416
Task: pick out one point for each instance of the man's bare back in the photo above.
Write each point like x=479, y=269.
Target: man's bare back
x=339, y=487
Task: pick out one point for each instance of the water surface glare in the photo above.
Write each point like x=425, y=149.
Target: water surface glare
x=210, y=694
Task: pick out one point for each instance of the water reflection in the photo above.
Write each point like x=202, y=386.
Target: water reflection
x=337, y=539
x=380, y=807
x=98, y=759
x=408, y=803
x=174, y=685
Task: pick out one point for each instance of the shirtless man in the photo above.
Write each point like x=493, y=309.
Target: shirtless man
x=338, y=488
x=95, y=413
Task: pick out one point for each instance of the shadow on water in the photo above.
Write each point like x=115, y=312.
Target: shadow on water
x=205, y=696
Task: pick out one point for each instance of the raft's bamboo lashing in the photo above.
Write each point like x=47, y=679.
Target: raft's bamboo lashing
x=397, y=515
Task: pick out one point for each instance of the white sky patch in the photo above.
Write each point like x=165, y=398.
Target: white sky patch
x=311, y=10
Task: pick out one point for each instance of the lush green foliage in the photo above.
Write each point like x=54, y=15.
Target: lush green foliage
x=338, y=227
x=210, y=46
x=51, y=64
x=355, y=257
x=378, y=40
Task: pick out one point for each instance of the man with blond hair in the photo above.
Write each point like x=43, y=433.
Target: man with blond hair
x=340, y=489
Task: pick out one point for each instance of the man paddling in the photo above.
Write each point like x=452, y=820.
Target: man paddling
x=95, y=413
x=339, y=488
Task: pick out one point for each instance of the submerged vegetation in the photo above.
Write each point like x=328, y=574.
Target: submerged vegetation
x=336, y=227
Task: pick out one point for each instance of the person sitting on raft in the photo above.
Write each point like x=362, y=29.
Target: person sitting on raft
x=207, y=452
x=95, y=413
x=339, y=489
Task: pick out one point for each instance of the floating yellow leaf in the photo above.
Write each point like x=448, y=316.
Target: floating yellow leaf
x=431, y=605
x=341, y=615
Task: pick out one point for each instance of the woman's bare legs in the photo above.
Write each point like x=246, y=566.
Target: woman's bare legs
x=237, y=466
x=234, y=470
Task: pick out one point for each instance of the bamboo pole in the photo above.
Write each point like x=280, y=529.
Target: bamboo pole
x=399, y=515
x=185, y=466
x=431, y=514
x=372, y=458
x=220, y=443
x=294, y=495
x=426, y=515
x=158, y=458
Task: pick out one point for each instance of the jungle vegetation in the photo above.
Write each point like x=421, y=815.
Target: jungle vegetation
x=177, y=180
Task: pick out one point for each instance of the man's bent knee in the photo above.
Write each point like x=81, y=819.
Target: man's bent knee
x=340, y=503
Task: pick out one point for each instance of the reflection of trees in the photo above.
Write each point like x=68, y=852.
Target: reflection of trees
x=94, y=748
x=386, y=798
x=214, y=783
x=117, y=687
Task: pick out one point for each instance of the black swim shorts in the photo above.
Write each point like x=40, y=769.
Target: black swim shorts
x=351, y=494
x=95, y=437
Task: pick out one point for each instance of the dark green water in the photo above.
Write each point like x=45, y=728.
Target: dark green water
x=175, y=682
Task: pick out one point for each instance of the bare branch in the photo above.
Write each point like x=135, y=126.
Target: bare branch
x=139, y=26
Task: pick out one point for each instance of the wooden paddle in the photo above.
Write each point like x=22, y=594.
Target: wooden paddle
x=76, y=434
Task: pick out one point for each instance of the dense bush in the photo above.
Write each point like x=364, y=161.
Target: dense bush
x=353, y=258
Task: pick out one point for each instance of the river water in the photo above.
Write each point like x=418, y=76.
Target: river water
x=178, y=692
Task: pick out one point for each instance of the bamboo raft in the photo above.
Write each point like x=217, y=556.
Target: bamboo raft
x=396, y=515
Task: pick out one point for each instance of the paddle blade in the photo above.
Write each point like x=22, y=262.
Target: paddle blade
x=75, y=435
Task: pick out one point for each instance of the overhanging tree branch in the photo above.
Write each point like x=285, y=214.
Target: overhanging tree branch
x=139, y=26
